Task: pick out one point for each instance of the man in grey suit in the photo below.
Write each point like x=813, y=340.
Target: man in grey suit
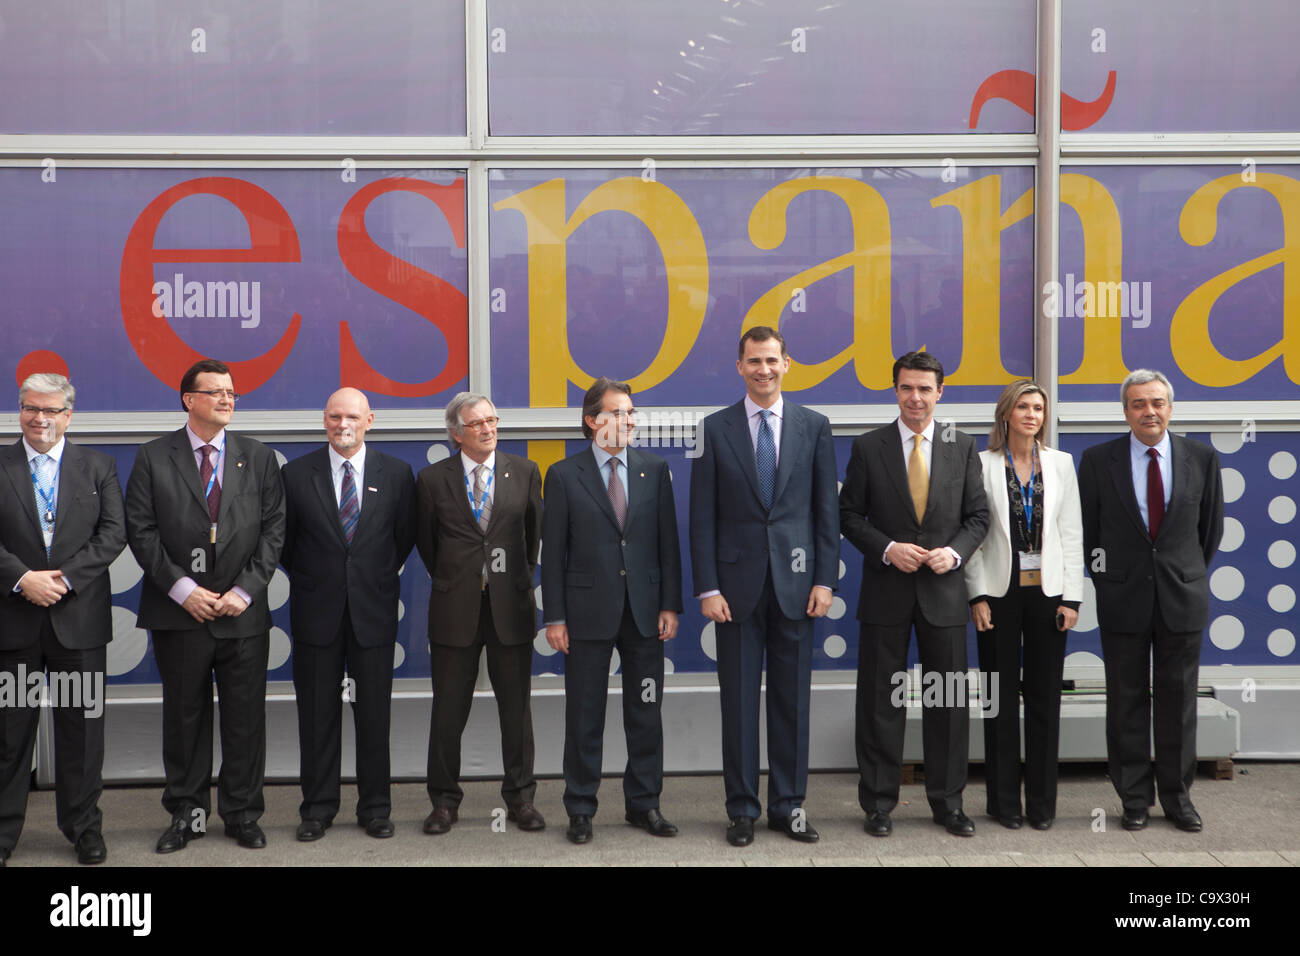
x=765, y=555
x=612, y=577
x=1152, y=520
x=913, y=503
x=205, y=518
x=60, y=529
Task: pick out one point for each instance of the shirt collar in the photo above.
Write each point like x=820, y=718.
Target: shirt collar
x=358, y=460
x=1138, y=449
x=218, y=440
x=906, y=433
x=752, y=408
x=55, y=453
x=603, y=456
x=469, y=464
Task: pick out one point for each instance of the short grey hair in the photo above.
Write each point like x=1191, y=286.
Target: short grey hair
x=1140, y=376
x=462, y=401
x=47, y=383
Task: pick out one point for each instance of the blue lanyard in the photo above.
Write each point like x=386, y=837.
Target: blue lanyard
x=1026, y=501
x=52, y=496
x=477, y=506
x=212, y=478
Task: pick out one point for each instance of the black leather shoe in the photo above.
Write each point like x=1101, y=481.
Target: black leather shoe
x=91, y=848
x=381, y=828
x=652, y=821
x=1135, y=819
x=1044, y=824
x=311, y=830
x=1189, y=821
x=440, y=820
x=527, y=816
x=878, y=823
x=956, y=823
x=796, y=828
x=1011, y=823
x=579, y=831
x=177, y=836
x=247, y=834
x=741, y=831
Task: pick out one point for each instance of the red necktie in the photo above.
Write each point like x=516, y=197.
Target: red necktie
x=1155, y=494
x=205, y=475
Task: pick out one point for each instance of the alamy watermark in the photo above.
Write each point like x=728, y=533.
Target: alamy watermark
x=1098, y=300
x=83, y=690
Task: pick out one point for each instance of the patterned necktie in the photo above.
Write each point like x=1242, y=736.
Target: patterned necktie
x=617, y=494
x=44, y=475
x=1155, y=494
x=483, y=502
x=918, y=479
x=765, y=457
x=205, y=475
x=349, y=512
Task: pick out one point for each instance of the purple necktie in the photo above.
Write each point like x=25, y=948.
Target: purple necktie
x=205, y=475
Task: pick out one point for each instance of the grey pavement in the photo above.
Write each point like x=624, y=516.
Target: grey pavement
x=1249, y=821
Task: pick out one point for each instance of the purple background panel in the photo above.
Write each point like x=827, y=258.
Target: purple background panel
x=61, y=251
x=298, y=67
x=617, y=293
x=1186, y=66
x=1245, y=321
x=704, y=67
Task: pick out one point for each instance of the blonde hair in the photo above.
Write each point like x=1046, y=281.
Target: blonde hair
x=1007, y=403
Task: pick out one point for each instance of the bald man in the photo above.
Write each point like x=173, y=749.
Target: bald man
x=351, y=524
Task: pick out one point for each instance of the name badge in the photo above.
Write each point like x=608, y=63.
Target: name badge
x=1031, y=569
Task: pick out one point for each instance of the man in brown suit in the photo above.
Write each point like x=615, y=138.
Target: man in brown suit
x=479, y=528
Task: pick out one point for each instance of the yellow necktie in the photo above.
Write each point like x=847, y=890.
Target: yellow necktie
x=918, y=479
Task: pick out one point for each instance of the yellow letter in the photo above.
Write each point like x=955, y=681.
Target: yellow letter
x=1189, y=331
x=1103, y=359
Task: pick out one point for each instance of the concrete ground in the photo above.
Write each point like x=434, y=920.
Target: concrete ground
x=1249, y=821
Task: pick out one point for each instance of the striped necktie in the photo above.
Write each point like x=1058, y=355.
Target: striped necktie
x=349, y=512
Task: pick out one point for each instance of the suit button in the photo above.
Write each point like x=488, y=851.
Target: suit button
x=1148, y=577
x=622, y=573
x=624, y=543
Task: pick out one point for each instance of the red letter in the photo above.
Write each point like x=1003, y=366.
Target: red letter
x=436, y=299
x=271, y=239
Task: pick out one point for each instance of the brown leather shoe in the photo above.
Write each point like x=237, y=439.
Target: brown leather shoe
x=440, y=820
x=527, y=816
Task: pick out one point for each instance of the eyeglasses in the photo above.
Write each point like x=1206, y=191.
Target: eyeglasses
x=480, y=423
x=229, y=393
x=43, y=412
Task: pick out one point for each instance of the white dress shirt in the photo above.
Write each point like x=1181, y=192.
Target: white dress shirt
x=1140, y=462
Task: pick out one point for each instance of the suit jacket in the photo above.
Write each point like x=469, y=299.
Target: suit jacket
x=988, y=572
x=88, y=534
x=167, y=525
x=1126, y=565
x=326, y=574
x=735, y=541
x=876, y=508
x=455, y=550
x=592, y=567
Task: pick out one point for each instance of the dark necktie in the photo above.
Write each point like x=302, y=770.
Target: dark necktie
x=617, y=494
x=765, y=457
x=205, y=475
x=1155, y=494
x=349, y=513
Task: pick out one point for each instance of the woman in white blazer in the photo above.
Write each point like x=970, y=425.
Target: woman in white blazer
x=1025, y=584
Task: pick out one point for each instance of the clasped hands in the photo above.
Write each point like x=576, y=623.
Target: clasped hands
x=910, y=557
x=205, y=605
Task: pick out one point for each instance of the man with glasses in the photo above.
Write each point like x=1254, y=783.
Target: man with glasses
x=205, y=518
x=479, y=528
x=60, y=529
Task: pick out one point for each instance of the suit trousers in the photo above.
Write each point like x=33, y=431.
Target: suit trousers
x=1130, y=661
x=318, y=683
x=78, y=740
x=454, y=671
x=586, y=684
x=1022, y=611
x=882, y=713
x=741, y=645
x=187, y=662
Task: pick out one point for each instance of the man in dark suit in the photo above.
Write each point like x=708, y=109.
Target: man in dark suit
x=205, y=518
x=612, y=577
x=913, y=503
x=60, y=529
x=478, y=531
x=766, y=558
x=350, y=523
x=1152, y=520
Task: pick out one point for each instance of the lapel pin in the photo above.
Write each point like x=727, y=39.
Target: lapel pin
x=506, y=475
x=239, y=464
x=375, y=490
x=643, y=474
